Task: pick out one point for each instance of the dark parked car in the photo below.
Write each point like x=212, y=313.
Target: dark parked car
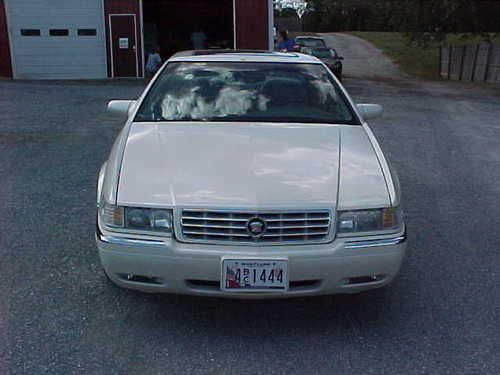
x=329, y=56
x=310, y=41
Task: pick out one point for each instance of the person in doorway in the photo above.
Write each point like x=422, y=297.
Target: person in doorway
x=154, y=62
x=199, y=39
x=285, y=44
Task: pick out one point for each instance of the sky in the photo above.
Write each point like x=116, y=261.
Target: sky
x=291, y=3
x=300, y=5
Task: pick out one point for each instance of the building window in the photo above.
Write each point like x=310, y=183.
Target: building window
x=30, y=32
x=87, y=32
x=58, y=32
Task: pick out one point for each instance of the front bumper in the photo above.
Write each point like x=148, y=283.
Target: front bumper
x=345, y=265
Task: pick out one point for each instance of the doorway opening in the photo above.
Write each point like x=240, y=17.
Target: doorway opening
x=179, y=25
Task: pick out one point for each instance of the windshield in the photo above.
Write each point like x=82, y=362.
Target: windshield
x=310, y=42
x=324, y=52
x=271, y=92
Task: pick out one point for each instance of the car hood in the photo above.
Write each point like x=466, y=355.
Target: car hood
x=249, y=166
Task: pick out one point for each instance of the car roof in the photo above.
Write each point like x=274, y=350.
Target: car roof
x=215, y=51
x=308, y=37
x=321, y=48
x=242, y=56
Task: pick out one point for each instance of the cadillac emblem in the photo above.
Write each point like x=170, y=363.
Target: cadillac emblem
x=256, y=227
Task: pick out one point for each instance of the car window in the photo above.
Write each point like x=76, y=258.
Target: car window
x=273, y=92
x=305, y=42
x=324, y=52
x=306, y=50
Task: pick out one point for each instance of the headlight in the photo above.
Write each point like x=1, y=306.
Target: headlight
x=138, y=219
x=382, y=219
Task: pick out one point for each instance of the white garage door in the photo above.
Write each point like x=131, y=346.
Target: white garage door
x=57, y=39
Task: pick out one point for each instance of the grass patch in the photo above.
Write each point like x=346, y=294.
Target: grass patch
x=412, y=59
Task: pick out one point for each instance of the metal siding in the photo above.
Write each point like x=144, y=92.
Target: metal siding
x=251, y=20
x=5, y=61
x=51, y=57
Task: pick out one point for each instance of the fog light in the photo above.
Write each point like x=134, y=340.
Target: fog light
x=141, y=279
x=364, y=279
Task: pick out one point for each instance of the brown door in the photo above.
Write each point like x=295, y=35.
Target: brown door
x=123, y=45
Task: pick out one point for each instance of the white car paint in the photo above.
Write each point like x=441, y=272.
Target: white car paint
x=255, y=166
x=271, y=165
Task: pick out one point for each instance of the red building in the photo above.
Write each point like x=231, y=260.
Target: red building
x=59, y=39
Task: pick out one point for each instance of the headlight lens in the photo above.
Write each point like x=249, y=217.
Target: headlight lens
x=370, y=220
x=135, y=218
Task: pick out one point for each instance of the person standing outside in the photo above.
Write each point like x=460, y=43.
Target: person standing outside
x=199, y=39
x=154, y=62
x=285, y=44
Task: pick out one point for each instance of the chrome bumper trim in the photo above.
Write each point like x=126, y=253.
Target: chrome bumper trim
x=376, y=243
x=124, y=240
x=348, y=245
x=127, y=241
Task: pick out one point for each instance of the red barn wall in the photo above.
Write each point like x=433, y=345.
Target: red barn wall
x=252, y=24
x=5, y=61
x=123, y=7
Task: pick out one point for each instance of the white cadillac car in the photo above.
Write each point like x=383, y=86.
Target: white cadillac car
x=248, y=175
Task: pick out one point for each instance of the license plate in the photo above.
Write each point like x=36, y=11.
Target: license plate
x=254, y=275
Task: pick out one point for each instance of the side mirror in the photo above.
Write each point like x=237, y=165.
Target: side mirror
x=121, y=107
x=369, y=111
x=341, y=58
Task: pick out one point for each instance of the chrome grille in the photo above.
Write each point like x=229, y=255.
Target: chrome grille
x=212, y=226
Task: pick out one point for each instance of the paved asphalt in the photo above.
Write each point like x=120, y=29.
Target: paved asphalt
x=59, y=315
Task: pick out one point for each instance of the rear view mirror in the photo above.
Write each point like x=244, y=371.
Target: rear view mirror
x=121, y=107
x=369, y=111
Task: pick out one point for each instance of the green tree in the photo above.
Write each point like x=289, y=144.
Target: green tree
x=288, y=12
x=426, y=20
x=423, y=20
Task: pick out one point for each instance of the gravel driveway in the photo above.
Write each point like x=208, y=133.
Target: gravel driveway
x=59, y=315
x=362, y=59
